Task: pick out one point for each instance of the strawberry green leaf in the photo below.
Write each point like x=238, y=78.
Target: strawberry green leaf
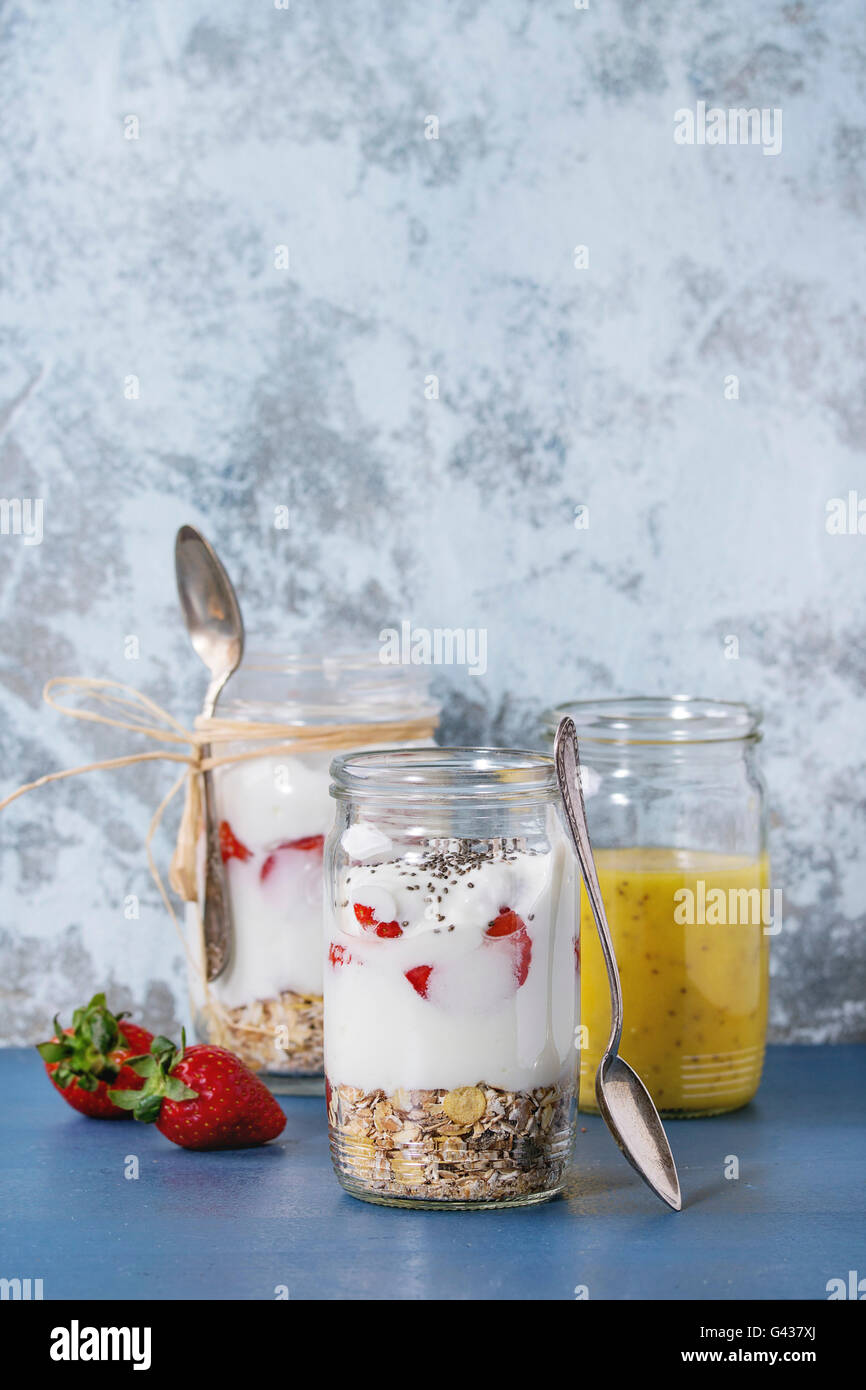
x=176, y=1090
x=85, y=1051
x=126, y=1100
x=142, y=1066
x=148, y=1108
x=103, y=1034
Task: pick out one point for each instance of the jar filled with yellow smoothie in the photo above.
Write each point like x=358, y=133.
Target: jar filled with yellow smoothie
x=676, y=813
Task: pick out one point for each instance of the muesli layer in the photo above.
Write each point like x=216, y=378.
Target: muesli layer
x=282, y=1035
x=470, y=1144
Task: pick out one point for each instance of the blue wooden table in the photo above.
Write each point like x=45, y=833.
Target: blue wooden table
x=241, y=1224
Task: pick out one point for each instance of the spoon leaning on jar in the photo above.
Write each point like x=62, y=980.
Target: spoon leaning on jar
x=623, y=1099
x=216, y=629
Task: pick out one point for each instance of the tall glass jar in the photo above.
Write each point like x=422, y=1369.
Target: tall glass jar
x=274, y=813
x=675, y=808
x=451, y=987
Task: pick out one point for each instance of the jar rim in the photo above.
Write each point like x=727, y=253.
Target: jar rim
x=342, y=685
x=652, y=719
x=332, y=661
x=433, y=773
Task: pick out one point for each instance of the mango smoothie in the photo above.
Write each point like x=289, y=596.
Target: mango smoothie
x=694, y=973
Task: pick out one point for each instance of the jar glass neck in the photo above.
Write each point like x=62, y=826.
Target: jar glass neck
x=677, y=721
x=327, y=688
x=596, y=753
x=422, y=776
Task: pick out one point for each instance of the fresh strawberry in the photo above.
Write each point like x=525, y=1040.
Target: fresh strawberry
x=308, y=844
x=85, y=1060
x=507, y=924
x=202, y=1097
x=367, y=918
x=419, y=978
x=338, y=955
x=230, y=846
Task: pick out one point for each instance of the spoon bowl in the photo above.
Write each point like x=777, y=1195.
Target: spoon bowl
x=623, y=1099
x=629, y=1113
x=210, y=606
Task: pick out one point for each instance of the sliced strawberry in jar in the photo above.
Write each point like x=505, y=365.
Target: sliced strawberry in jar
x=338, y=955
x=419, y=978
x=512, y=927
x=505, y=924
x=230, y=846
x=366, y=917
x=389, y=929
x=308, y=844
x=522, y=955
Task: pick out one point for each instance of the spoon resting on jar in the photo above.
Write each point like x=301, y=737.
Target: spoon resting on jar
x=215, y=626
x=623, y=1099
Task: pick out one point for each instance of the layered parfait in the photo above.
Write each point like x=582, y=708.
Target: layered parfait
x=451, y=998
x=274, y=813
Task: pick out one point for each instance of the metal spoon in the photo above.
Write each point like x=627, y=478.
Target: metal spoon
x=623, y=1099
x=216, y=629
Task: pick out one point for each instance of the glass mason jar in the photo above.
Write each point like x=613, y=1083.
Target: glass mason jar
x=675, y=807
x=274, y=813
x=451, y=988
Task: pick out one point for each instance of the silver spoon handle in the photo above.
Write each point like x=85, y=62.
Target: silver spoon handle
x=567, y=758
x=216, y=906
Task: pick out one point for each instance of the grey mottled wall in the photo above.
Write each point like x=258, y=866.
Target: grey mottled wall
x=409, y=257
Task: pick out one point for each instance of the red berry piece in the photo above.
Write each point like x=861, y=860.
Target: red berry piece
x=230, y=846
x=389, y=929
x=338, y=955
x=308, y=844
x=419, y=978
x=367, y=919
x=505, y=924
x=522, y=956
x=510, y=926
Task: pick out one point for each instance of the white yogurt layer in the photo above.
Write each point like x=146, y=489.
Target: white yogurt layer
x=276, y=902
x=276, y=893
x=430, y=983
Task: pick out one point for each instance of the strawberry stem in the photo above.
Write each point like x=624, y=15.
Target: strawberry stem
x=83, y=1054
x=160, y=1084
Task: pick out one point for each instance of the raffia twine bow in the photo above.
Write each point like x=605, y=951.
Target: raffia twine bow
x=134, y=711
